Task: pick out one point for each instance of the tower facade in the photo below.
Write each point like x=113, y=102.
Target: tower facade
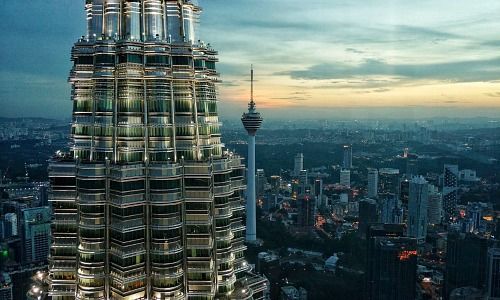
x=298, y=164
x=434, y=208
x=345, y=177
x=252, y=122
x=372, y=183
x=450, y=189
x=392, y=268
x=417, y=208
x=493, y=277
x=347, y=161
x=147, y=204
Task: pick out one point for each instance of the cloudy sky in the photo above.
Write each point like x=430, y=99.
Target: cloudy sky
x=329, y=58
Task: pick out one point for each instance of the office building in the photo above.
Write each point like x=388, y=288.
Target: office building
x=469, y=176
x=466, y=261
x=493, y=275
x=368, y=214
x=306, y=210
x=388, y=181
x=148, y=204
x=404, y=190
x=303, y=177
x=474, y=214
x=11, y=225
x=391, y=211
x=372, y=183
x=412, y=167
x=450, y=189
x=434, y=208
x=417, y=208
x=345, y=178
x=318, y=191
x=298, y=164
x=347, y=162
x=35, y=226
x=261, y=182
x=392, y=269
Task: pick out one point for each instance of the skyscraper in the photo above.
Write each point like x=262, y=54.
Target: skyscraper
x=306, y=209
x=36, y=233
x=391, y=211
x=318, y=191
x=417, y=208
x=372, y=183
x=11, y=225
x=466, y=261
x=450, y=189
x=148, y=204
x=434, y=208
x=260, y=182
x=298, y=164
x=392, y=268
x=368, y=214
x=389, y=181
x=345, y=177
x=493, y=278
x=347, y=162
x=252, y=122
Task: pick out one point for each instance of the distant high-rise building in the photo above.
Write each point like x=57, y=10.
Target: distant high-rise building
x=466, y=261
x=450, y=189
x=149, y=204
x=412, y=167
x=43, y=196
x=474, y=214
x=11, y=225
x=434, y=206
x=298, y=164
x=493, y=277
x=404, y=190
x=318, y=191
x=303, y=177
x=389, y=181
x=417, y=208
x=345, y=177
x=368, y=215
x=392, y=268
x=306, y=209
x=372, y=183
x=347, y=162
x=36, y=233
x=390, y=212
x=260, y=182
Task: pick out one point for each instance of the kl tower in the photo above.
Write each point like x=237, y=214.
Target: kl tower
x=251, y=121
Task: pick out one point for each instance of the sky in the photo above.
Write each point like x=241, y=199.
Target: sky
x=315, y=58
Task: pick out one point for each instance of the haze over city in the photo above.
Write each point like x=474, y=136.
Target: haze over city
x=320, y=58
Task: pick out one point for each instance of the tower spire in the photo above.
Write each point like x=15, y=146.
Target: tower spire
x=251, y=105
x=251, y=80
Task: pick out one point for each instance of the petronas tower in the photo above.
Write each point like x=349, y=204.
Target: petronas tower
x=148, y=204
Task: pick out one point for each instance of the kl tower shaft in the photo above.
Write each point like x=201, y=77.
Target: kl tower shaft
x=252, y=122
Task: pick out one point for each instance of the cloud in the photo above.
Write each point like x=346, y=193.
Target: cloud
x=493, y=94
x=352, y=50
x=459, y=71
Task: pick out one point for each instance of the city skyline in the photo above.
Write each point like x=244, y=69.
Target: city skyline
x=330, y=58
